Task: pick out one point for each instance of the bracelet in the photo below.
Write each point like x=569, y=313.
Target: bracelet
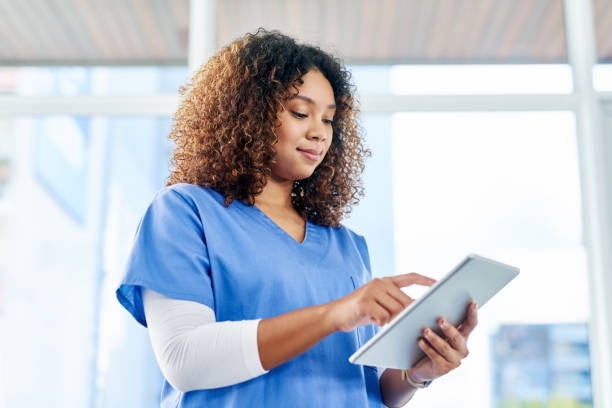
x=406, y=377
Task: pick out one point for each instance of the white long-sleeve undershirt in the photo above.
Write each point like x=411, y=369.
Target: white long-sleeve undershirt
x=194, y=351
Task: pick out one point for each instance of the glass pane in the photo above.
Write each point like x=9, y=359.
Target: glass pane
x=463, y=79
x=602, y=77
x=72, y=192
x=373, y=217
x=481, y=79
x=91, y=80
x=504, y=185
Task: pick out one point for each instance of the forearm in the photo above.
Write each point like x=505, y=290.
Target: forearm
x=395, y=391
x=286, y=336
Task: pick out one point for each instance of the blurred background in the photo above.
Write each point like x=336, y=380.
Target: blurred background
x=490, y=124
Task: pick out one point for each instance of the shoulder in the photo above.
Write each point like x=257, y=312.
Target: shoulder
x=190, y=192
x=348, y=239
x=192, y=196
x=358, y=242
x=349, y=234
x=183, y=202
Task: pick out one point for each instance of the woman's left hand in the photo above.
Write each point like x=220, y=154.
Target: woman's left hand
x=444, y=354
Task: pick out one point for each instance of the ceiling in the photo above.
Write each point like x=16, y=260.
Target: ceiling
x=145, y=32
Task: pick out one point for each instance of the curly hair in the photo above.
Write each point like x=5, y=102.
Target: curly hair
x=224, y=128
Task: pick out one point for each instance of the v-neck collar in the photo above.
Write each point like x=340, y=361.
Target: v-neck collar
x=274, y=225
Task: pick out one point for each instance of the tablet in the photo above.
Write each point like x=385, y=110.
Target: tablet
x=395, y=346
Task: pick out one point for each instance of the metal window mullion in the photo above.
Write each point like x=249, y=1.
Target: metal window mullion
x=580, y=34
x=202, y=32
x=165, y=105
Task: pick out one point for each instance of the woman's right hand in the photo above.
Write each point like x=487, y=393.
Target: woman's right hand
x=378, y=301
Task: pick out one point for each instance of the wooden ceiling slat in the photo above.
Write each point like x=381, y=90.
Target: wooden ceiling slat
x=403, y=20
x=335, y=17
x=124, y=34
x=238, y=16
x=179, y=18
x=223, y=16
x=129, y=30
x=531, y=27
x=550, y=43
x=444, y=18
x=170, y=36
x=312, y=12
x=87, y=13
x=431, y=31
x=425, y=11
x=476, y=29
x=27, y=29
x=384, y=36
x=368, y=23
x=332, y=22
x=8, y=46
x=507, y=47
x=54, y=32
x=599, y=12
x=559, y=32
x=495, y=28
x=180, y=13
x=17, y=47
x=76, y=30
x=291, y=21
x=603, y=28
x=542, y=37
x=456, y=31
x=255, y=18
x=150, y=31
x=104, y=29
x=222, y=21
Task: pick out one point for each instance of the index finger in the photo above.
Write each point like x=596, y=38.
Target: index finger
x=412, y=278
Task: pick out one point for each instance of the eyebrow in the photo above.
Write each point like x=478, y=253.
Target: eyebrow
x=310, y=101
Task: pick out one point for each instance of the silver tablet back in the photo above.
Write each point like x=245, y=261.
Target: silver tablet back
x=476, y=278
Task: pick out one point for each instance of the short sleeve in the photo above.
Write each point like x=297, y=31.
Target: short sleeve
x=169, y=255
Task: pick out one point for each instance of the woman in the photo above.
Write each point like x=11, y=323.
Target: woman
x=253, y=292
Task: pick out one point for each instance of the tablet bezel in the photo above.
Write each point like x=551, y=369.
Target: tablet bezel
x=355, y=357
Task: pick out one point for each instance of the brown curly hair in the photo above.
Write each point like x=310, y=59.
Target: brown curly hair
x=224, y=127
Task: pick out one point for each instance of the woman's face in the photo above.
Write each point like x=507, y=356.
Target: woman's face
x=305, y=132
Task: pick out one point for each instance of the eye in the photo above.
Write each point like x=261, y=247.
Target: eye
x=328, y=121
x=299, y=115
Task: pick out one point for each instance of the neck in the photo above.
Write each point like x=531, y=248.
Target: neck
x=276, y=194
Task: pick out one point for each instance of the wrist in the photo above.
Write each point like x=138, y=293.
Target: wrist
x=328, y=318
x=416, y=377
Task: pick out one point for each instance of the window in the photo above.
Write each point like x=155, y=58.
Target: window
x=72, y=190
x=504, y=185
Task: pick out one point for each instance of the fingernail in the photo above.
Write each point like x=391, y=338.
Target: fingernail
x=427, y=332
x=442, y=323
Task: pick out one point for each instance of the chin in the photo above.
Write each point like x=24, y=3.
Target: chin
x=296, y=172
x=302, y=175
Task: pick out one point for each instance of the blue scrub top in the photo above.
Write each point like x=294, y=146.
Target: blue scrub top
x=241, y=264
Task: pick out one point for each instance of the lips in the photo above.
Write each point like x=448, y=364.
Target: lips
x=310, y=153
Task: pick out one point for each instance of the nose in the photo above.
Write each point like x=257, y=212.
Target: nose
x=317, y=132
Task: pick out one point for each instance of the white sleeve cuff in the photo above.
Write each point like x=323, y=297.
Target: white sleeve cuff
x=195, y=352
x=250, y=348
